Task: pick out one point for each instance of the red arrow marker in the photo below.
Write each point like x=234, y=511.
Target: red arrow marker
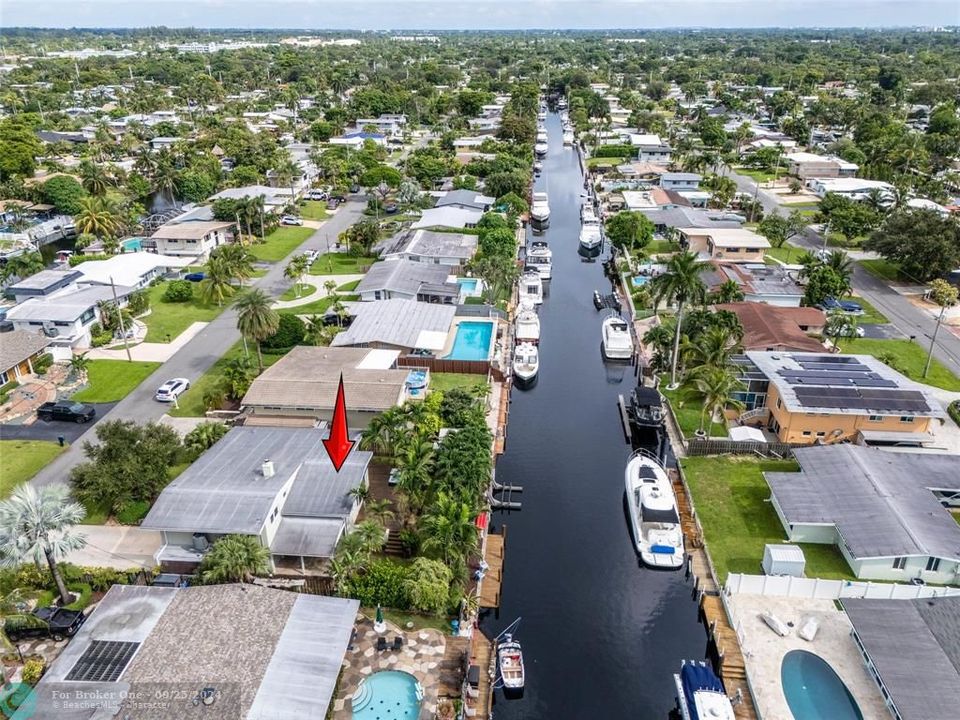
x=339, y=444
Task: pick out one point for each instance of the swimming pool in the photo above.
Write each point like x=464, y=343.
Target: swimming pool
x=388, y=694
x=469, y=285
x=133, y=244
x=814, y=690
x=472, y=341
x=639, y=280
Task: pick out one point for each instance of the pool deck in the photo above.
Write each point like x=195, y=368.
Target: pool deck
x=763, y=651
x=452, y=338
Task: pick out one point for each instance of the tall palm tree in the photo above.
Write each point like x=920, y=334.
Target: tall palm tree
x=295, y=270
x=449, y=530
x=97, y=217
x=216, y=285
x=716, y=345
x=238, y=261
x=841, y=263
x=385, y=433
x=95, y=178
x=728, y=292
x=715, y=385
x=286, y=173
x=315, y=333
x=680, y=284
x=256, y=319
x=37, y=524
x=234, y=558
x=415, y=465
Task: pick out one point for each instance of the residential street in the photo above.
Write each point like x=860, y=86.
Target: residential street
x=908, y=319
x=202, y=351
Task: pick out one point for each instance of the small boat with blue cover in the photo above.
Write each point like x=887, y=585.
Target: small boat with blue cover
x=700, y=693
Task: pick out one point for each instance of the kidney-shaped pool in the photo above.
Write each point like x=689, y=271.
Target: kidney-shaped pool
x=813, y=689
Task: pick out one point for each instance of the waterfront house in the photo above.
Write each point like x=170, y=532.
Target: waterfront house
x=851, y=187
x=193, y=239
x=677, y=216
x=452, y=250
x=771, y=284
x=43, y=283
x=826, y=398
x=448, y=217
x=303, y=384
x=911, y=649
x=274, y=198
x=406, y=279
x=650, y=148
x=806, y=165
x=772, y=327
x=404, y=325
x=135, y=270
x=18, y=351
x=726, y=244
x=467, y=199
x=265, y=653
x=274, y=483
x=883, y=510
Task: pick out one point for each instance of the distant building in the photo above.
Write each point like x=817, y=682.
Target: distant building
x=386, y=124
x=728, y=245
x=680, y=181
x=771, y=327
x=356, y=140
x=806, y=165
x=854, y=188
x=650, y=148
x=194, y=239
x=274, y=198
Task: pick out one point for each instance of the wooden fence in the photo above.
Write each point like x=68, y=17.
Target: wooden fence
x=714, y=446
x=444, y=365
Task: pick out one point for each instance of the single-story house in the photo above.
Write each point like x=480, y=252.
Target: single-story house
x=467, y=199
x=409, y=280
x=304, y=382
x=449, y=216
x=356, y=140
x=636, y=170
x=851, y=187
x=452, y=250
x=194, y=239
x=467, y=143
x=771, y=327
x=386, y=124
x=275, y=483
x=771, y=284
x=158, y=143
x=639, y=200
x=134, y=270
x=883, y=510
x=680, y=181
x=18, y=350
x=403, y=325
x=274, y=198
x=65, y=316
x=826, y=398
x=676, y=216
x=148, y=652
x=912, y=651
x=810, y=165
x=726, y=244
x=45, y=282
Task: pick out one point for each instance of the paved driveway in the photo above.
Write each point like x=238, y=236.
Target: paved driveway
x=117, y=546
x=41, y=430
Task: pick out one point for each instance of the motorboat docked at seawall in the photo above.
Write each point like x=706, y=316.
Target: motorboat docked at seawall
x=526, y=361
x=527, y=326
x=531, y=288
x=657, y=535
x=700, y=693
x=510, y=660
x=537, y=167
x=540, y=257
x=568, y=137
x=540, y=148
x=645, y=411
x=540, y=208
x=591, y=236
x=617, y=341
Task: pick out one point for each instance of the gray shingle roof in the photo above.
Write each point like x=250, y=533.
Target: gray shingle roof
x=307, y=537
x=395, y=322
x=881, y=502
x=430, y=244
x=321, y=491
x=403, y=276
x=17, y=346
x=466, y=198
x=915, y=647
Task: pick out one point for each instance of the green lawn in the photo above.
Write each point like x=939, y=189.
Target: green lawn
x=348, y=287
x=871, y=316
x=20, y=460
x=909, y=359
x=298, y=291
x=317, y=307
x=883, y=269
x=191, y=402
x=660, y=246
x=759, y=175
x=686, y=407
x=314, y=210
x=786, y=254
x=167, y=320
x=280, y=243
x=400, y=619
x=595, y=162
x=731, y=499
x=448, y=381
x=341, y=264
x=112, y=380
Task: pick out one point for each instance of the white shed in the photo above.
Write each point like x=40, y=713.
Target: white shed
x=783, y=560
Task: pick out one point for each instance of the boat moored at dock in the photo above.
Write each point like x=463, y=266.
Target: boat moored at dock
x=531, y=288
x=540, y=257
x=527, y=326
x=510, y=661
x=540, y=209
x=700, y=693
x=526, y=362
x=652, y=507
x=617, y=342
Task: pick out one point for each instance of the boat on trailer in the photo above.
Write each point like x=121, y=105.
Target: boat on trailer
x=700, y=693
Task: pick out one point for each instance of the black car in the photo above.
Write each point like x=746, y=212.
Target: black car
x=52, y=622
x=354, y=188
x=390, y=208
x=331, y=318
x=67, y=410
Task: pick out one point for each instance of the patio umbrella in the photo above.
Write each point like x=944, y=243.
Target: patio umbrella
x=379, y=615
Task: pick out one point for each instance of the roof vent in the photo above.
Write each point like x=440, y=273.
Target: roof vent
x=267, y=469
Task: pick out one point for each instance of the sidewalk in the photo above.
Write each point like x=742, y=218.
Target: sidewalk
x=320, y=292
x=150, y=352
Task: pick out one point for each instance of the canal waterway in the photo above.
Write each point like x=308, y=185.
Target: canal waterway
x=601, y=635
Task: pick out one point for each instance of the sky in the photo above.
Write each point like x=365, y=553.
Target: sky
x=477, y=14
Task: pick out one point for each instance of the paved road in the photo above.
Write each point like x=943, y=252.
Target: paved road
x=909, y=320
x=194, y=358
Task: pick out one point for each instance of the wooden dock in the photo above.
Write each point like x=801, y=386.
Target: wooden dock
x=733, y=670
x=493, y=555
x=479, y=703
x=696, y=552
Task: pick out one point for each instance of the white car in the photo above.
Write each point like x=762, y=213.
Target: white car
x=291, y=220
x=172, y=389
x=311, y=256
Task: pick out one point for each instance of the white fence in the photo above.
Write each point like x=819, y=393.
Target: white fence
x=789, y=586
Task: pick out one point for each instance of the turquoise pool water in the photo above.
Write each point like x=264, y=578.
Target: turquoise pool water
x=814, y=691
x=387, y=695
x=132, y=244
x=469, y=285
x=639, y=280
x=472, y=341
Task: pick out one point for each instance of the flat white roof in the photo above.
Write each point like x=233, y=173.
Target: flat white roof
x=379, y=360
x=729, y=237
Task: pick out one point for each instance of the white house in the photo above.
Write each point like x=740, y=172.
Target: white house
x=194, y=239
x=853, y=188
x=680, y=181
x=810, y=165
x=386, y=124
x=65, y=316
x=449, y=216
x=650, y=148
x=356, y=140
x=134, y=270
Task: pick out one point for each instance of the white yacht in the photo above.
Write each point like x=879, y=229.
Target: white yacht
x=527, y=326
x=537, y=167
x=568, y=137
x=562, y=103
x=591, y=236
x=531, y=288
x=587, y=214
x=700, y=693
x=617, y=342
x=541, y=116
x=653, y=512
x=540, y=208
x=540, y=257
x=526, y=361
x=540, y=148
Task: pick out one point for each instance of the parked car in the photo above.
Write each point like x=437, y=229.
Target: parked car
x=333, y=204
x=53, y=622
x=317, y=195
x=391, y=208
x=172, y=389
x=354, y=188
x=66, y=410
x=291, y=220
x=331, y=318
x=311, y=256
x=846, y=306
x=194, y=276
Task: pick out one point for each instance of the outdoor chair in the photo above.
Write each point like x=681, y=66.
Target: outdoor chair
x=381, y=643
x=397, y=642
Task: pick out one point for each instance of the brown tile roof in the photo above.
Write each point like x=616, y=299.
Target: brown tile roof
x=773, y=327
x=17, y=346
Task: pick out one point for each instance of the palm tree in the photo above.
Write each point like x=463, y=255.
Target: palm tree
x=234, y=558
x=22, y=266
x=79, y=364
x=295, y=270
x=415, y=465
x=237, y=260
x=841, y=263
x=728, y=292
x=216, y=285
x=370, y=537
x=715, y=385
x=680, y=284
x=256, y=319
x=96, y=217
x=379, y=511
x=315, y=332
x=360, y=493
x=716, y=345
x=238, y=373
x=286, y=173
x=449, y=530
x=385, y=433
x=37, y=524
x=95, y=178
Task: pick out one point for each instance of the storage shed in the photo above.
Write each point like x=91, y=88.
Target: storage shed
x=783, y=560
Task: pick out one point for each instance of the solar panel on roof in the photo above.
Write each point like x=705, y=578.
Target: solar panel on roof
x=103, y=661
